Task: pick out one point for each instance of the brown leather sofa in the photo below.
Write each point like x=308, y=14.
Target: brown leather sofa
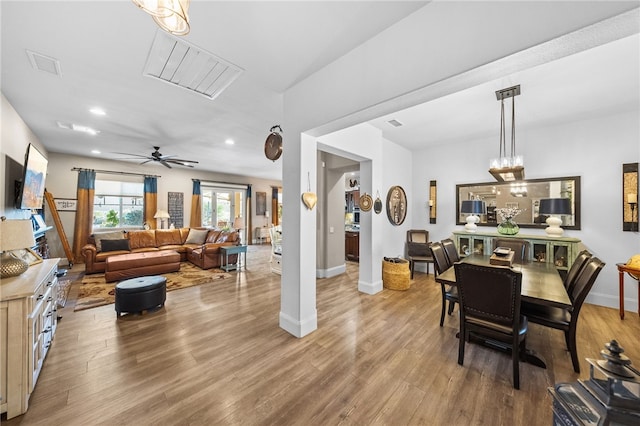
x=207, y=254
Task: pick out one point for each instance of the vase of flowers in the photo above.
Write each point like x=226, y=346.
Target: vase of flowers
x=508, y=226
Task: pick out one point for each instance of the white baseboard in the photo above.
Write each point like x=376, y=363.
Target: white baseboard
x=299, y=328
x=370, y=288
x=331, y=272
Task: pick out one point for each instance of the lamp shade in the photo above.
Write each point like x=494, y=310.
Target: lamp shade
x=238, y=223
x=161, y=214
x=474, y=207
x=16, y=234
x=555, y=206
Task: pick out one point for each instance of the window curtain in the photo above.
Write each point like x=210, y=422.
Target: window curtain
x=84, y=214
x=249, y=216
x=150, y=200
x=274, y=205
x=195, y=220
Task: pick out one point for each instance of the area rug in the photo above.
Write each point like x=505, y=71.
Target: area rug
x=94, y=291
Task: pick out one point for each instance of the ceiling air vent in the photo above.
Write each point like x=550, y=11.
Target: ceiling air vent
x=395, y=123
x=44, y=63
x=175, y=61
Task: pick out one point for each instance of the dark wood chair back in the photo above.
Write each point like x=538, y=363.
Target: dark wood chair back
x=489, y=298
x=451, y=250
x=576, y=267
x=583, y=283
x=440, y=259
x=520, y=247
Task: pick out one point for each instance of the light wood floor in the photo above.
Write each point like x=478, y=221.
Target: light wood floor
x=216, y=355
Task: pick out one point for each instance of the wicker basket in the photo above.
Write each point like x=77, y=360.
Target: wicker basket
x=396, y=276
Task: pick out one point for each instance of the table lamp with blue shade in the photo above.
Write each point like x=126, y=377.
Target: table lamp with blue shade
x=473, y=208
x=557, y=207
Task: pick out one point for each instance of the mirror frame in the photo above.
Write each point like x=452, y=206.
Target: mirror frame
x=576, y=206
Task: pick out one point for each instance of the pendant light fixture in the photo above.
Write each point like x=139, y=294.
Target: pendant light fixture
x=171, y=15
x=507, y=167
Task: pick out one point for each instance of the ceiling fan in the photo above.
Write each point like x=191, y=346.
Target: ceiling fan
x=162, y=159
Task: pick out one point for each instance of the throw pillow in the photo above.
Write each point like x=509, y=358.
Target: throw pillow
x=114, y=235
x=115, y=245
x=197, y=236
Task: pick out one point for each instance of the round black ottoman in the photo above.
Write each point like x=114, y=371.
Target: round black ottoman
x=140, y=294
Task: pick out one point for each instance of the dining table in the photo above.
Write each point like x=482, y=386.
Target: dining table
x=541, y=284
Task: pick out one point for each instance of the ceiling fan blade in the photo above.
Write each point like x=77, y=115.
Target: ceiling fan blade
x=166, y=157
x=132, y=155
x=164, y=163
x=184, y=161
x=145, y=162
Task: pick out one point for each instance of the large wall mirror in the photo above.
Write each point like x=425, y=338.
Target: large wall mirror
x=524, y=195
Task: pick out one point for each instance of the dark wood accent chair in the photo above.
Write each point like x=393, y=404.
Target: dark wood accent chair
x=576, y=267
x=451, y=250
x=418, y=248
x=490, y=308
x=441, y=264
x=567, y=319
x=520, y=247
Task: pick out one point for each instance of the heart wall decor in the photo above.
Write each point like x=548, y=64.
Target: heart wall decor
x=309, y=199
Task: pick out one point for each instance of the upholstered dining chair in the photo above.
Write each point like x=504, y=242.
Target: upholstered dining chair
x=451, y=250
x=520, y=247
x=441, y=264
x=567, y=319
x=490, y=308
x=418, y=248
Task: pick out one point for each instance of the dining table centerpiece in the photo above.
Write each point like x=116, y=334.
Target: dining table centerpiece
x=508, y=226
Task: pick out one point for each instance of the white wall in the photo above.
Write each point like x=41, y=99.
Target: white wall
x=594, y=149
x=15, y=137
x=62, y=182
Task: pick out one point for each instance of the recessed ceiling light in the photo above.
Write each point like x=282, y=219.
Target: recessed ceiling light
x=395, y=123
x=229, y=142
x=95, y=151
x=97, y=111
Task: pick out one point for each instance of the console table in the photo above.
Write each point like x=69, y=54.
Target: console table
x=622, y=268
x=28, y=310
x=225, y=251
x=559, y=251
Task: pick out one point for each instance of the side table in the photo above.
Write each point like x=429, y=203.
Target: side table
x=225, y=251
x=622, y=268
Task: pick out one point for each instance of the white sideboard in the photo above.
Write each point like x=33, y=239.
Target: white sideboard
x=28, y=320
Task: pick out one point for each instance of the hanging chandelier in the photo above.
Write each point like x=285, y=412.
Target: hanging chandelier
x=507, y=167
x=171, y=15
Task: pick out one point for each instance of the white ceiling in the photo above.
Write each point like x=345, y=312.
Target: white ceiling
x=102, y=48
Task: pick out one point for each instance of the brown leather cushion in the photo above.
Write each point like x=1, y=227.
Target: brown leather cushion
x=212, y=236
x=138, y=260
x=227, y=236
x=166, y=237
x=142, y=239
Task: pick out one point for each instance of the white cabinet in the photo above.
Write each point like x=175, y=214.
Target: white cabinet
x=28, y=321
x=561, y=251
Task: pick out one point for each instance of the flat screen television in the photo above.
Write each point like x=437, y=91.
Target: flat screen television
x=33, y=177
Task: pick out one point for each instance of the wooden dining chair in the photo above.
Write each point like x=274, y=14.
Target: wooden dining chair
x=576, y=267
x=451, y=250
x=520, y=247
x=418, y=248
x=567, y=319
x=490, y=309
x=441, y=264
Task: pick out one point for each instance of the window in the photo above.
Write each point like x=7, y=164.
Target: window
x=118, y=204
x=221, y=205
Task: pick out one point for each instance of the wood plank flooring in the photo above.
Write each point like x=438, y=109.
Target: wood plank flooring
x=216, y=355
